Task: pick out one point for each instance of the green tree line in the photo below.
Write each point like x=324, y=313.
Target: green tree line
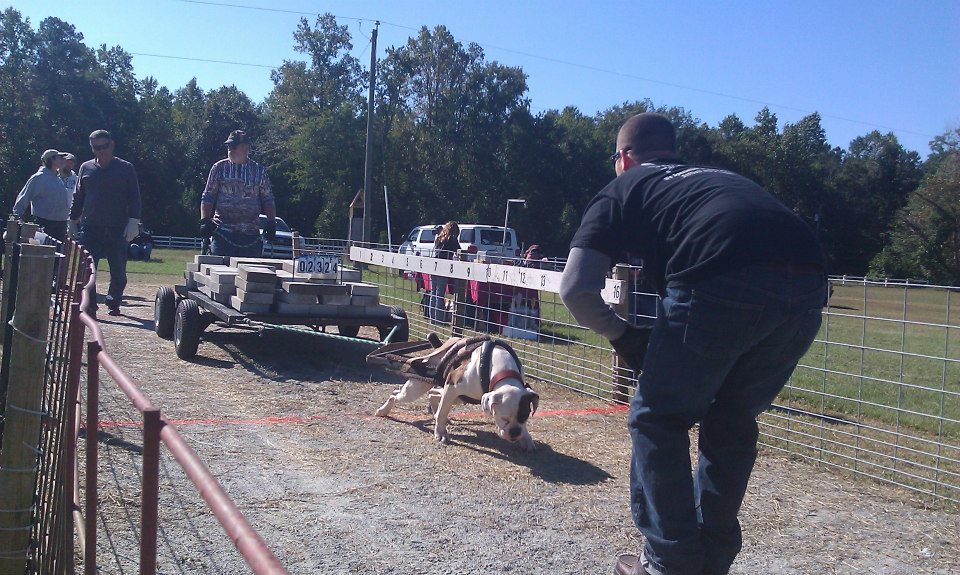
x=453, y=138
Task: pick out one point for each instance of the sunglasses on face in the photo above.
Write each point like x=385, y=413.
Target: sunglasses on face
x=101, y=147
x=616, y=155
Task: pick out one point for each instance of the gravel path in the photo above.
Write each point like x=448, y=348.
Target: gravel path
x=284, y=422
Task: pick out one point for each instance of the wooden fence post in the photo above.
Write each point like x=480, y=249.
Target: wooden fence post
x=623, y=377
x=18, y=457
x=12, y=231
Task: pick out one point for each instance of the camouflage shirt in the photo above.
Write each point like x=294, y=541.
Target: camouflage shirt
x=239, y=194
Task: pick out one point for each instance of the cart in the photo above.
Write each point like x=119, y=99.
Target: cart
x=182, y=314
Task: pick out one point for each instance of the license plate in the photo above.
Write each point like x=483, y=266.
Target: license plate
x=317, y=264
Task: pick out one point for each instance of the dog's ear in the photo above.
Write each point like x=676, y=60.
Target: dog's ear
x=489, y=400
x=534, y=401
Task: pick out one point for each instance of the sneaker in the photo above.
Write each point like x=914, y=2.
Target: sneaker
x=114, y=311
x=628, y=564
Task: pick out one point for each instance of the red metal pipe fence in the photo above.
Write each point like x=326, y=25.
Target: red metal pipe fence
x=156, y=431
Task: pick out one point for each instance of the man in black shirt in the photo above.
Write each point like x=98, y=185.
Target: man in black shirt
x=106, y=213
x=742, y=284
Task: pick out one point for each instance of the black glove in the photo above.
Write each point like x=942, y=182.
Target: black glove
x=632, y=346
x=207, y=227
x=270, y=231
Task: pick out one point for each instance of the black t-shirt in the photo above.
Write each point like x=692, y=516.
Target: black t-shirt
x=106, y=196
x=693, y=222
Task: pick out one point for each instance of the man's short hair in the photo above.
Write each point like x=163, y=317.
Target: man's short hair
x=648, y=132
x=99, y=134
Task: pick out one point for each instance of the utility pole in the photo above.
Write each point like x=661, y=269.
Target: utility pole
x=368, y=161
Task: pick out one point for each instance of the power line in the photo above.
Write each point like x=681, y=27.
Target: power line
x=562, y=62
x=203, y=60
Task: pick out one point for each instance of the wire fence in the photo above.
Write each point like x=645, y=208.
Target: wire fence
x=49, y=546
x=878, y=394
x=51, y=509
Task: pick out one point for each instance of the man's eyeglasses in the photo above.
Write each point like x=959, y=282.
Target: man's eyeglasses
x=101, y=147
x=616, y=155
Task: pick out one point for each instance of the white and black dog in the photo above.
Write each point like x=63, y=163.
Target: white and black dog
x=478, y=371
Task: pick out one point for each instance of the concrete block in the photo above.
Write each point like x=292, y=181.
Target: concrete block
x=240, y=305
x=296, y=298
x=263, y=262
x=349, y=275
x=256, y=286
x=223, y=277
x=359, y=288
x=208, y=259
x=255, y=297
x=259, y=274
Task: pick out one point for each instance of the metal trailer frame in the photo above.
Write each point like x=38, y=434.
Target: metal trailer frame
x=182, y=314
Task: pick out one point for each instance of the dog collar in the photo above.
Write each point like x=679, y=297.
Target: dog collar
x=507, y=373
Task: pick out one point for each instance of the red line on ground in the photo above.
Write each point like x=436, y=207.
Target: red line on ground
x=406, y=416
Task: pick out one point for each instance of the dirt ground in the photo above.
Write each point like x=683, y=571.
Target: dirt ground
x=285, y=423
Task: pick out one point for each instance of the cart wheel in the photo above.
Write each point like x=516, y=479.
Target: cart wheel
x=348, y=330
x=403, y=328
x=186, y=329
x=164, y=312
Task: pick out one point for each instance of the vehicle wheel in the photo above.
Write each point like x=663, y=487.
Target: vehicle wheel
x=403, y=328
x=348, y=330
x=186, y=329
x=164, y=312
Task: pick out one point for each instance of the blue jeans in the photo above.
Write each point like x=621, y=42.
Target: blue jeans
x=720, y=352
x=237, y=245
x=107, y=242
x=438, y=307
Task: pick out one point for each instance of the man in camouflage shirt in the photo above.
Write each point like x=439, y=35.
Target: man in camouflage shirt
x=237, y=192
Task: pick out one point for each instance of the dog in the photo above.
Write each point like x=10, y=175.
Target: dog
x=476, y=371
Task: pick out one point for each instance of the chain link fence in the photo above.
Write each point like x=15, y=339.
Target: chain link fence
x=877, y=395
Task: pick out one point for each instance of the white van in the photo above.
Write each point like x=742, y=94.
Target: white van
x=474, y=239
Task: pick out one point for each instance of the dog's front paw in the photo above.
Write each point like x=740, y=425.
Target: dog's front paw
x=442, y=436
x=385, y=409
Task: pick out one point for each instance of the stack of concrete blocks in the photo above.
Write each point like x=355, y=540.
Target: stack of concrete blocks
x=219, y=282
x=194, y=276
x=256, y=285
x=261, y=285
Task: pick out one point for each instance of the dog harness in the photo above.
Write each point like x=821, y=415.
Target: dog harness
x=459, y=353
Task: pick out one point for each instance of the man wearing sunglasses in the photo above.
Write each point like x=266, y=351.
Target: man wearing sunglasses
x=742, y=283
x=237, y=192
x=106, y=213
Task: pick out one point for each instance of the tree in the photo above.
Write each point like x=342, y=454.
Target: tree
x=925, y=239
x=874, y=180
x=313, y=122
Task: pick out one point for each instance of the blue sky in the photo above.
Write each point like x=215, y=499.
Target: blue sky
x=885, y=65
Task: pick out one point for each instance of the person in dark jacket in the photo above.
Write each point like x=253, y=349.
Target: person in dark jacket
x=445, y=246
x=106, y=213
x=742, y=280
